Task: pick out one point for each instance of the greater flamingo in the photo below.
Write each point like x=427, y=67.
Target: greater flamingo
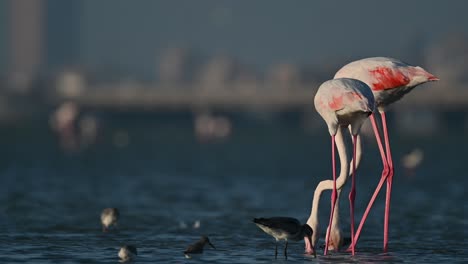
x=390, y=79
x=336, y=239
x=341, y=103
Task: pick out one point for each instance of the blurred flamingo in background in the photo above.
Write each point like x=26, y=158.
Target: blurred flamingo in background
x=341, y=103
x=390, y=79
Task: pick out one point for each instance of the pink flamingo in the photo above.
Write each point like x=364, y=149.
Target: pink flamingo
x=334, y=233
x=341, y=103
x=389, y=79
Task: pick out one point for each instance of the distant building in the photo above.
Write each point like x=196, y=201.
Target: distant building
x=283, y=76
x=225, y=72
x=43, y=38
x=26, y=37
x=176, y=66
x=219, y=71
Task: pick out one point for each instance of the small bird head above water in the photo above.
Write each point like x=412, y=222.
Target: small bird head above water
x=127, y=253
x=197, y=247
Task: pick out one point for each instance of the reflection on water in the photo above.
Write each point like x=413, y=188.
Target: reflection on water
x=50, y=201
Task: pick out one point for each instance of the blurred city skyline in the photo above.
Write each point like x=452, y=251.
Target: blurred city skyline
x=131, y=37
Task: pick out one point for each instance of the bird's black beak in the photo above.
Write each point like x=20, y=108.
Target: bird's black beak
x=209, y=243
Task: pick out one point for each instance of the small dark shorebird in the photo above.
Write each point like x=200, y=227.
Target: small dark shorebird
x=287, y=228
x=197, y=247
x=109, y=218
x=127, y=253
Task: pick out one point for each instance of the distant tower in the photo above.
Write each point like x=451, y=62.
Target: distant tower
x=43, y=38
x=283, y=76
x=26, y=35
x=218, y=72
x=174, y=66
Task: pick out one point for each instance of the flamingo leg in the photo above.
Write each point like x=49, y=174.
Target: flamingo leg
x=333, y=196
x=385, y=172
x=352, y=194
x=389, y=181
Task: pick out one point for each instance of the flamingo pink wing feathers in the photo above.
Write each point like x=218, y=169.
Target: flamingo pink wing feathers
x=387, y=78
x=382, y=73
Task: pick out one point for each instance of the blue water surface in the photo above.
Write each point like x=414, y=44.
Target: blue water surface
x=165, y=179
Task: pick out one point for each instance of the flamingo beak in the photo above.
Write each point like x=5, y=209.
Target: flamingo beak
x=310, y=249
x=430, y=77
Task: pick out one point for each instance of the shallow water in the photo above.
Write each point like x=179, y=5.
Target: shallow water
x=165, y=180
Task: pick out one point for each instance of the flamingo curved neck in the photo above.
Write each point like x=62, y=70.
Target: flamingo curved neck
x=358, y=155
x=313, y=220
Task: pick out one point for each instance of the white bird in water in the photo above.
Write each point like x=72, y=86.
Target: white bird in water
x=127, y=253
x=197, y=247
x=196, y=224
x=287, y=228
x=412, y=160
x=389, y=79
x=109, y=218
x=341, y=103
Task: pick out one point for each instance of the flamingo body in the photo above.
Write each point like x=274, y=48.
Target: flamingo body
x=341, y=102
x=344, y=102
x=390, y=79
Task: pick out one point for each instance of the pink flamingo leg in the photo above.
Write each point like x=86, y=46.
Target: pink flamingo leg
x=352, y=194
x=379, y=186
x=333, y=196
x=389, y=181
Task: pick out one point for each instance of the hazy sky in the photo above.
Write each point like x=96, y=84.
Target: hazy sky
x=3, y=36
x=130, y=34
x=264, y=32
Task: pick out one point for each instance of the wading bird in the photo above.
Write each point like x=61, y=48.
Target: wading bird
x=341, y=103
x=127, y=253
x=197, y=247
x=336, y=240
x=389, y=79
x=286, y=228
x=109, y=218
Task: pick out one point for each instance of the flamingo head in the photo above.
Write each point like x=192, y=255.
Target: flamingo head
x=309, y=246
